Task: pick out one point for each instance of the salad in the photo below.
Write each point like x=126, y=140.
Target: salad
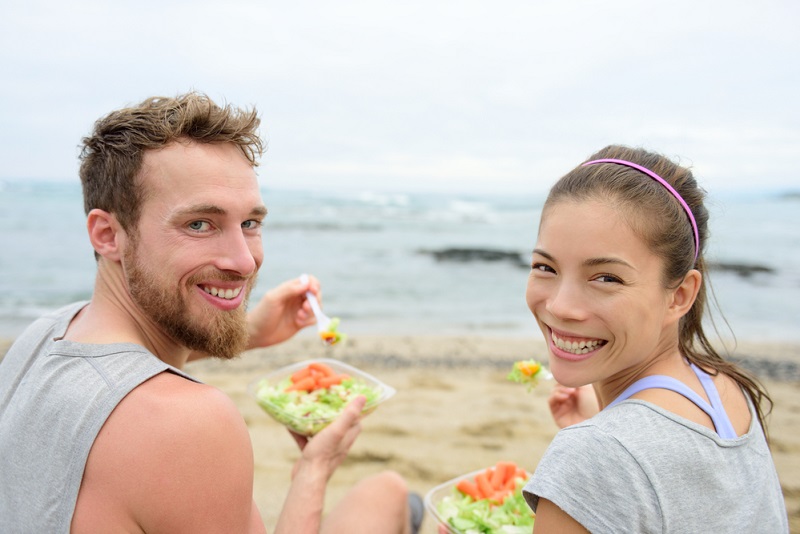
x=332, y=336
x=485, y=501
x=306, y=397
x=528, y=372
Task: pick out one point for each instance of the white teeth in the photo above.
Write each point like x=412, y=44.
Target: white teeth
x=226, y=294
x=576, y=347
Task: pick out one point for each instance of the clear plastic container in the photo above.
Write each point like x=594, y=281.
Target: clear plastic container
x=446, y=490
x=265, y=389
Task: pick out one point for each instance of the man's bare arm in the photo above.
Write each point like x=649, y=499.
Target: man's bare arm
x=174, y=456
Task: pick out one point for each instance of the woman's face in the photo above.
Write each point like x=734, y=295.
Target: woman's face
x=597, y=294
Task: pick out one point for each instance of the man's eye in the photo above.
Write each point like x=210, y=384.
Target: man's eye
x=251, y=224
x=198, y=226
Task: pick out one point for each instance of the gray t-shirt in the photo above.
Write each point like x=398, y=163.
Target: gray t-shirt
x=55, y=396
x=636, y=467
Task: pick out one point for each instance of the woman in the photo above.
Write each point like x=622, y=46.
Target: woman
x=671, y=437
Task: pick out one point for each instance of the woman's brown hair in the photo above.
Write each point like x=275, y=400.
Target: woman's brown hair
x=658, y=218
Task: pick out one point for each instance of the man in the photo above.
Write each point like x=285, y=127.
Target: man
x=100, y=430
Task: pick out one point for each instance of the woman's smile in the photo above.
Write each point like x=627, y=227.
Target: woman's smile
x=573, y=348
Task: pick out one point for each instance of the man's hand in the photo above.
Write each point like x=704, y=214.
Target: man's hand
x=330, y=446
x=322, y=454
x=281, y=313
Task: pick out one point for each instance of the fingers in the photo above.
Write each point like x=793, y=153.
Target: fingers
x=327, y=449
x=351, y=416
x=301, y=440
x=348, y=425
x=307, y=282
x=561, y=394
x=348, y=422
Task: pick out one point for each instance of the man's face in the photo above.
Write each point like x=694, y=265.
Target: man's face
x=194, y=258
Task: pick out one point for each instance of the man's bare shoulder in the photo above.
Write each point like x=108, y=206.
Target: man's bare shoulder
x=173, y=456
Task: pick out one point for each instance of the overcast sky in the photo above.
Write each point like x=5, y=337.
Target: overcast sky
x=479, y=96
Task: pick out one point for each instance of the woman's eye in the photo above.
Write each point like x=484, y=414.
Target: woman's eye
x=198, y=226
x=542, y=267
x=608, y=278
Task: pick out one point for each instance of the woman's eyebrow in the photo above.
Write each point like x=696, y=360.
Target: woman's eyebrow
x=541, y=252
x=591, y=262
x=594, y=262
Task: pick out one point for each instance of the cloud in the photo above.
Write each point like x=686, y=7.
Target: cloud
x=424, y=95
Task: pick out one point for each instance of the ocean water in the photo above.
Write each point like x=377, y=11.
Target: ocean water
x=372, y=253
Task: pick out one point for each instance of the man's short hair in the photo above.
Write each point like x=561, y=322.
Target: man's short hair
x=112, y=156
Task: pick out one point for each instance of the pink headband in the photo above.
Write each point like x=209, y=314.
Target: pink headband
x=663, y=182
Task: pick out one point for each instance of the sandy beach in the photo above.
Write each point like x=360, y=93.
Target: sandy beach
x=454, y=411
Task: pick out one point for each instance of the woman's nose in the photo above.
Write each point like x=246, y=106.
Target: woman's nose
x=567, y=302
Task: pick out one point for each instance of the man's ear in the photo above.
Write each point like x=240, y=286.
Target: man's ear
x=105, y=234
x=682, y=298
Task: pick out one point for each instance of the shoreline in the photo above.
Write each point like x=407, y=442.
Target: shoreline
x=770, y=359
x=454, y=411
x=773, y=361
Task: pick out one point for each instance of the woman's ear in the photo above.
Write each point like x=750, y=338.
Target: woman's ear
x=682, y=298
x=104, y=234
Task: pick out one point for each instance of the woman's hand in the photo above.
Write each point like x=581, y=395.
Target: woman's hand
x=572, y=405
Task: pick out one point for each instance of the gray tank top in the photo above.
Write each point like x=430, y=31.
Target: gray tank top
x=55, y=395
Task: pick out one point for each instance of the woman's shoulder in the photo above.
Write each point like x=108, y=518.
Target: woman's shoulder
x=607, y=434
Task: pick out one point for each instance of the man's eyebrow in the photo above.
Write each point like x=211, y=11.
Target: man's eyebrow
x=211, y=209
x=259, y=211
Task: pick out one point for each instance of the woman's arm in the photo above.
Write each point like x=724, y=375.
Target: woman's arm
x=552, y=519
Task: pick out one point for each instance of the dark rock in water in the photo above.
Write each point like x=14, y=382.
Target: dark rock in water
x=742, y=269
x=779, y=370
x=477, y=254
x=463, y=255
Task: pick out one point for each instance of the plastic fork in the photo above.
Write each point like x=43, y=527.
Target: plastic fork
x=323, y=321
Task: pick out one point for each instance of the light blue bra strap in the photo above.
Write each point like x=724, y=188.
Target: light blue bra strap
x=715, y=410
x=663, y=382
x=718, y=415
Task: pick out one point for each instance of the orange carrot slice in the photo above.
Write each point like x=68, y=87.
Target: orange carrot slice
x=304, y=384
x=469, y=488
x=529, y=368
x=301, y=374
x=499, y=496
x=509, y=469
x=497, y=477
x=494, y=483
x=485, y=487
x=328, y=381
x=322, y=368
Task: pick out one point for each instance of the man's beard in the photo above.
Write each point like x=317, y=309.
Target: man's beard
x=218, y=333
